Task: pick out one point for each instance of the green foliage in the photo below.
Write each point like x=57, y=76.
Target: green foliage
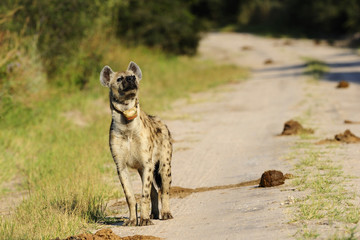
x=321, y=18
x=315, y=68
x=305, y=18
x=163, y=24
x=59, y=26
x=216, y=13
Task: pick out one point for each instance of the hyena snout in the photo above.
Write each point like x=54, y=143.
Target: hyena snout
x=129, y=83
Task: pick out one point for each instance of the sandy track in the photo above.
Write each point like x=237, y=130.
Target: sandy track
x=229, y=136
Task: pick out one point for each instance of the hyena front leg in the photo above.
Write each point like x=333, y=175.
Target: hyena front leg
x=130, y=198
x=147, y=179
x=123, y=173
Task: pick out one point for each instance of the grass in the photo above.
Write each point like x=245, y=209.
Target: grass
x=54, y=139
x=315, y=68
x=328, y=198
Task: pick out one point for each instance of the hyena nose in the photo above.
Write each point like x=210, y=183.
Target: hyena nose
x=130, y=79
x=129, y=83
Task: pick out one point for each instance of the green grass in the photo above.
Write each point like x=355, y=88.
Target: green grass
x=315, y=68
x=328, y=199
x=54, y=141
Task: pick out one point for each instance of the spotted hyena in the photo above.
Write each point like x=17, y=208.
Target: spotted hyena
x=139, y=141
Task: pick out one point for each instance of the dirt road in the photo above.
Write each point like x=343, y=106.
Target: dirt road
x=228, y=136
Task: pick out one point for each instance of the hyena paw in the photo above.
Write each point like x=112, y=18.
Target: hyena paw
x=145, y=222
x=166, y=216
x=154, y=216
x=130, y=222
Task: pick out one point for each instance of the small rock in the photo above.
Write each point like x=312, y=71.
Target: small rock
x=290, y=200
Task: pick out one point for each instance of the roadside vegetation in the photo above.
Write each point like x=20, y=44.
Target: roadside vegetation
x=328, y=200
x=329, y=208
x=54, y=115
x=315, y=68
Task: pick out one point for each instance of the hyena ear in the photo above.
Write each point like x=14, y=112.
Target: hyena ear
x=105, y=76
x=135, y=68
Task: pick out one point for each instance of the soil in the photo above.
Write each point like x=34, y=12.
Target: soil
x=272, y=178
x=327, y=141
x=346, y=137
x=180, y=192
x=293, y=127
x=343, y=84
x=107, y=234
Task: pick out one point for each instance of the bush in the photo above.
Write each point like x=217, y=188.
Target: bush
x=168, y=25
x=322, y=18
x=59, y=24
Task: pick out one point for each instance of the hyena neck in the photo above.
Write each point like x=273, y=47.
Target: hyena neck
x=125, y=113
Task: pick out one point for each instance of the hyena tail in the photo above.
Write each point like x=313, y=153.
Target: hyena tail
x=157, y=176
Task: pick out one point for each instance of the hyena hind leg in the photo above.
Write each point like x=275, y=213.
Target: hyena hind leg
x=165, y=174
x=154, y=203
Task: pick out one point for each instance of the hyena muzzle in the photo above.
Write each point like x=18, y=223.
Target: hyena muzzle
x=139, y=141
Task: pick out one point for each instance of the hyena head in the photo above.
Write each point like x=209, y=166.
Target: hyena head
x=123, y=86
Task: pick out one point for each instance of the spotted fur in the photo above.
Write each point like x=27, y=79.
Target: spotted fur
x=143, y=143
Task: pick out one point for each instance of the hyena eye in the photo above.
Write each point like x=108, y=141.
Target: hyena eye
x=120, y=79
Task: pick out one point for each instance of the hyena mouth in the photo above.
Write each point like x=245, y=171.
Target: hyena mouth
x=130, y=96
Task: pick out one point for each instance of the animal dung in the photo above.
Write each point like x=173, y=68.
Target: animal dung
x=343, y=84
x=293, y=127
x=351, y=122
x=245, y=48
x=272, y=178
x=268, y=61
x=317, y=42
x=287, y=42
x=346, y=137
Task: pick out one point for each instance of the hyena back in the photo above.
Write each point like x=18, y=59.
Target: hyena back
x=139, y=141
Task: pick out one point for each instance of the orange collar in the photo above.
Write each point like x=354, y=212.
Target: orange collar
x=129, y=114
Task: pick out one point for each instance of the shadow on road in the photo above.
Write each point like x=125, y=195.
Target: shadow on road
x=335, y=74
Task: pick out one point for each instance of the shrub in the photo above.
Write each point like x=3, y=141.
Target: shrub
x=59, y=24
x=168, y=25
